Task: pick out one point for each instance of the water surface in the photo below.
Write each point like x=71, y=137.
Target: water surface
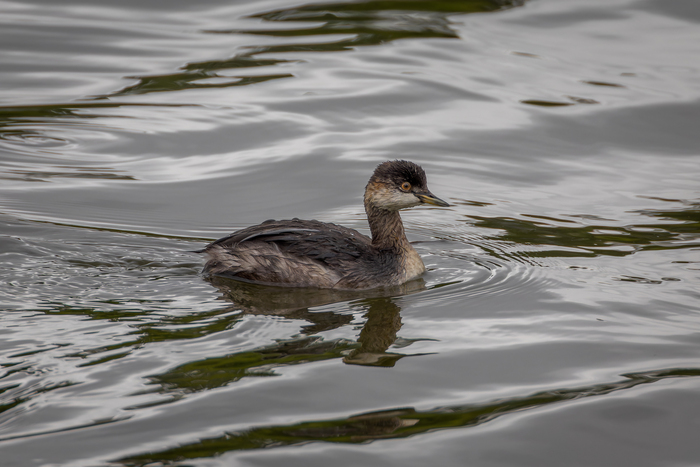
x=558, y=321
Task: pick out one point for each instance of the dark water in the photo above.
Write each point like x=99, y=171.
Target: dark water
x=559, y=321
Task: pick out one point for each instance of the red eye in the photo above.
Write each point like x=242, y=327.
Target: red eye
x=405, y=186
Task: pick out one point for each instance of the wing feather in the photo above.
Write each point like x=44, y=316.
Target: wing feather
x=290, y=252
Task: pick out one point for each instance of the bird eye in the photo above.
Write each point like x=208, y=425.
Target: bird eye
x=405, y=186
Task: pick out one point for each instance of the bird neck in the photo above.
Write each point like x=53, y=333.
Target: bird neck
x=386, y=227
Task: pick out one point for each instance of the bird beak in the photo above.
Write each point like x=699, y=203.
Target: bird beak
x=430, y=198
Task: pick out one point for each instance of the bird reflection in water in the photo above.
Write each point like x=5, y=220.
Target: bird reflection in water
x=378, y=333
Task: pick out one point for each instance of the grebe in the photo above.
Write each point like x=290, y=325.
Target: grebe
x=301, y=253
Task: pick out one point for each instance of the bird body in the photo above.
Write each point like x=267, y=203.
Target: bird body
x=309, y=253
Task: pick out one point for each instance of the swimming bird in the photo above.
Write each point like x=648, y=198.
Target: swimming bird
x=309, y=253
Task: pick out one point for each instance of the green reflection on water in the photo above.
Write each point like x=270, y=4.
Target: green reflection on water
x=165, y=328
x=6, y=405
x=12, y=398
x=367, y=23
x=360, y=11
x=542, y=103
x=191, y=80
x=392, y=423
x=25, y=129
x=162, y=328
x=599, y=240
x=378, y=333
x=371, y=22
x=31, y=114
x=216, y=372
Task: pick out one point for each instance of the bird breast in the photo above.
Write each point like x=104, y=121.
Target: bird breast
x=412, y=264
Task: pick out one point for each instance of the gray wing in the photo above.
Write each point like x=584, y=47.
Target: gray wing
x=291, y=252
x=307, y=238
